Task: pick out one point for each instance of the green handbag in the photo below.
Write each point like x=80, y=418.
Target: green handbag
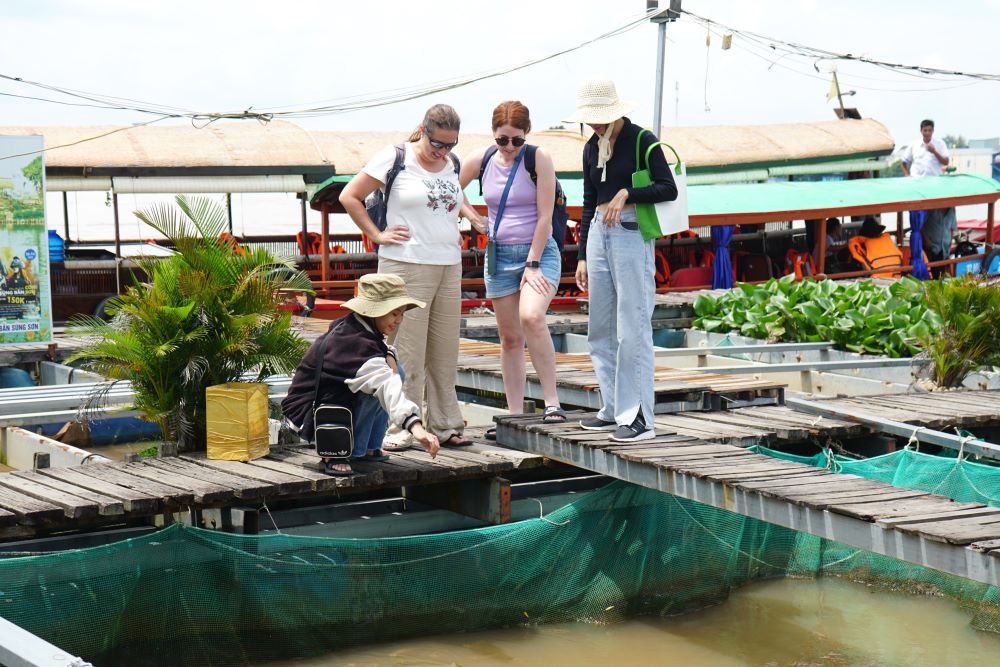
x=649, y=223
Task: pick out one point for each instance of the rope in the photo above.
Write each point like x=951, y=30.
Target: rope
x=914, y=440
x=271, y=516
x=541, y=514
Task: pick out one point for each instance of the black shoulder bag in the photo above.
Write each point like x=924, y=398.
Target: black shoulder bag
x=333, y=425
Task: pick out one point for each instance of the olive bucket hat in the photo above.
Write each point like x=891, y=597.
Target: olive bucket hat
x=379, y=294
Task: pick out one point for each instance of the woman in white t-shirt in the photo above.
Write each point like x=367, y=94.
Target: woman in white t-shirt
x=421, y=243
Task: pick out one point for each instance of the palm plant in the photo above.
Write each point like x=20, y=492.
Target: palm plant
x=969, y=335
x=205, y=316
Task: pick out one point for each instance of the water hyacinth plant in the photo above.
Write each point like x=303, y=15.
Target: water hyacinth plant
x=858, y=316
x=206, y=315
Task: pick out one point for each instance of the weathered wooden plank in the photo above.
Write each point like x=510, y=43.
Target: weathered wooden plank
x=116, y=474
x=774, y=429
x=457, y=460
x=242, y=488
x=283, y=483
x=7, y=518
x=483, y=464
x=132, y=501
x=690, y=422
x=957, y=531
x=815, y=424
x=74, y=507
x=313, y=462
x=426, y=471
x=855, y=498
x=987, y=546
x=983, y=511
x=106, y=505
x=520, y=460
x=28, y=510
x=205, y=493
x=318, y=481
x=830, y=483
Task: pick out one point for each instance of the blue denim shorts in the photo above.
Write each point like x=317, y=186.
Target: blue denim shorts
x=510, y=268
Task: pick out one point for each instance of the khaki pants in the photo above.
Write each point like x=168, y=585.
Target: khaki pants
x=427, y=341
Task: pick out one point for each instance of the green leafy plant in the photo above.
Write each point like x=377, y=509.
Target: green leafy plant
x=968, y=336
x=206, y=315
x=857, y=316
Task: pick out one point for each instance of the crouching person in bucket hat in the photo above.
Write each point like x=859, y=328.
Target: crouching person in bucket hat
x=359, y=371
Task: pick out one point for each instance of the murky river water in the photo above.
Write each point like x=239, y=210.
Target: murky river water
x=775, y=623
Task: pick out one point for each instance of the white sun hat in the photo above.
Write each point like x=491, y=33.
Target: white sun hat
x=597, y=102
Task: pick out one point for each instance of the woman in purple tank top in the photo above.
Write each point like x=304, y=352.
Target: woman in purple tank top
x=523, y=275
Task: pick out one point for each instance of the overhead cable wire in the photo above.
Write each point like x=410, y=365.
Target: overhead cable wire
x=824, y=54
x=353, y=103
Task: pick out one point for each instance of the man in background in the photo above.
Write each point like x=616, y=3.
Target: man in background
x=928, y=156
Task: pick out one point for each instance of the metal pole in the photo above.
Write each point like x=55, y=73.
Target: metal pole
x=661, y=44
x=66, y=215
x=118, y=245
x=229, y=210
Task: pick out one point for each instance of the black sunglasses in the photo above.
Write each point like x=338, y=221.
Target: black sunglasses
x=503, y=141
x=440, y=145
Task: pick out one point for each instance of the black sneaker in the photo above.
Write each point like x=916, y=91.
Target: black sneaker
x=634, y=432
x=595, y=424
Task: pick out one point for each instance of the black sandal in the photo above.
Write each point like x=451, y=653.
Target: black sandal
x=456, y=440
x=329, y=469
x=491, y=434
x=375, y=455
x=553, y=415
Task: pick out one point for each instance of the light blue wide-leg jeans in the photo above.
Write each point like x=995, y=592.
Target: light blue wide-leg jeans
x=622, y=290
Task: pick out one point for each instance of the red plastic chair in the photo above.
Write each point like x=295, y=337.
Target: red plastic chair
x=800, y=263
x=696, y=276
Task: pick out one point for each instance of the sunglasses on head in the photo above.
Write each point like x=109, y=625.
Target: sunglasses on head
x=440, y=145
x=503, y=141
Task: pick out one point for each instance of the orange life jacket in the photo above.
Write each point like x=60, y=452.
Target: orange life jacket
x=878, y=253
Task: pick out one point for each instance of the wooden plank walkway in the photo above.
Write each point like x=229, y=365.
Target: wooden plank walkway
x=917, y=527
x=61, y=347
x=50, y=500
x=964, y=408
x=676, y=390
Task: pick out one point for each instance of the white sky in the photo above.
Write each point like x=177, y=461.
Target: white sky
x=228, y=55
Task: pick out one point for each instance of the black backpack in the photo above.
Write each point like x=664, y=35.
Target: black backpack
x=378, y=201
x=559, y=213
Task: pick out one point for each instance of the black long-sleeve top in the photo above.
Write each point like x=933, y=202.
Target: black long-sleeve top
x=354, y=362
x=620, y=168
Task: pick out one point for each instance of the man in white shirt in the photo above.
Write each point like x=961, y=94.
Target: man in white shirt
x=928, y=156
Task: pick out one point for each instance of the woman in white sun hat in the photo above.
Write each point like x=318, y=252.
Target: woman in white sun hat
x=615, y=265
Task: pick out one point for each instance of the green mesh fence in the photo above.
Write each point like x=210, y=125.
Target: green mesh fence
x=195, y=597
x=956, y=478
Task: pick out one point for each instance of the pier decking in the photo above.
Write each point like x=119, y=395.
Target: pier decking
x=675, y=390
x=918, y=527
x=49, y=500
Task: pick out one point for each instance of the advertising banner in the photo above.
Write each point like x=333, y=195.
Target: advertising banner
x=25, y=297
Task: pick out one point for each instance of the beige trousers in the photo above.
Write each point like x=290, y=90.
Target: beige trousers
x=427, y=341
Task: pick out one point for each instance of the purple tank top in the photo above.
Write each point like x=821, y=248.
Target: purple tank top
x=520, y=215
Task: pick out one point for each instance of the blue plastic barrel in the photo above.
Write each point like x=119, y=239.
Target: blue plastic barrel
x=11, y=377
x=57, y=247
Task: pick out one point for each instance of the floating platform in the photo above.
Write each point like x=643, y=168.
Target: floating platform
x=95, y=496
x=675, y=390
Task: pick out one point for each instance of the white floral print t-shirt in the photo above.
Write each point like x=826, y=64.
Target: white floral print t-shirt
x=427, y=202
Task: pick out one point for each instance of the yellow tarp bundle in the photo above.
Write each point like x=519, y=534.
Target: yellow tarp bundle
x=237, y=421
